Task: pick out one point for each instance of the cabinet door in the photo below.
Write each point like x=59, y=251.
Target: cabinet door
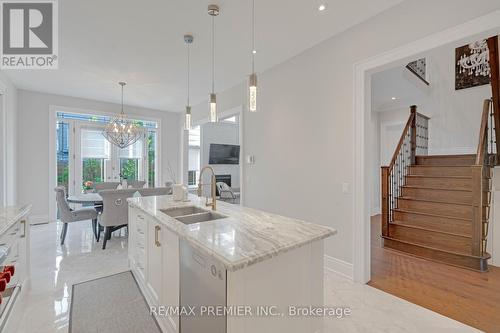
x=154, y=250
x=170, y=286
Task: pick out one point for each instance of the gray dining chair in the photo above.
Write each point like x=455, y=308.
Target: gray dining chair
x=68, y=215
x=114, y=215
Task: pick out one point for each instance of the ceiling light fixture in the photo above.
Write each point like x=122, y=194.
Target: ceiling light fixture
x=252, y=80
x=393, y=98
x=213, y=10
x=188, y=39
x=322, y=7
x=121, y=131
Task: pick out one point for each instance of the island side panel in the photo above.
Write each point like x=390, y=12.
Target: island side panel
x=291, y=278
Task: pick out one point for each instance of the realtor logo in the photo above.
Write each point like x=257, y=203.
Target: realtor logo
x=29, y=34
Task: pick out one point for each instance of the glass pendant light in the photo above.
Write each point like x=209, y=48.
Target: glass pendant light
x=213, y=10
x=252, y=80
x=188, y=39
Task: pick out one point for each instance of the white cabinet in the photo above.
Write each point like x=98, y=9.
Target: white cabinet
x=170, y=286
x=154, y=260
x=154, y=254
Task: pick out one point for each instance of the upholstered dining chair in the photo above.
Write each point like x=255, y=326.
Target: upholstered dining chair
x=226, y=192
x=114, y=215
x=68, y=215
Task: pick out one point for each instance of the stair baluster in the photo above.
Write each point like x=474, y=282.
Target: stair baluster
x=413, y=141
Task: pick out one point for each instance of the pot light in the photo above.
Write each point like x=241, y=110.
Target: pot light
x=393, y=98
x=322, y=7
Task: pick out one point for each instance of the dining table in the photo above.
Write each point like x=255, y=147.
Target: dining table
x=86, y=198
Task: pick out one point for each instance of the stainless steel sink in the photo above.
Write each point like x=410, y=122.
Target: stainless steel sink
x=200, y=217
x=182, y=211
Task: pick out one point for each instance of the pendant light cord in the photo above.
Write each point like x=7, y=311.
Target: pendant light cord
x=188, y=71
x=253, y=36
x=213, y=54
x=122, y=99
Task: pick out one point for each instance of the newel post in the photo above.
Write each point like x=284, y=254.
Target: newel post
x=385, y=200
x=477, y=209
x=413, y=133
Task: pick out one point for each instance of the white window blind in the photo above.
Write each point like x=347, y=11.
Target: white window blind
x=94, y=145
x=132, y=151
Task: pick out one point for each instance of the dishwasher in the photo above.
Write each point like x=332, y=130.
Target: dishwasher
x=202, y=285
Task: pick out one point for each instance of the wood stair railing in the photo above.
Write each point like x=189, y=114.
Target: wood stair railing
x=413, y=141
x=486, y=158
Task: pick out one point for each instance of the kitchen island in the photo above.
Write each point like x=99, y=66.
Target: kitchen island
x=251, y=265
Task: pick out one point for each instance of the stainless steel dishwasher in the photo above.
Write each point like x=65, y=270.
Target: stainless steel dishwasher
x=202, y=285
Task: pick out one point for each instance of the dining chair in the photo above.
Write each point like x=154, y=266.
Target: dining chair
x=68, y=215
x=114, y=215
x=226, y=192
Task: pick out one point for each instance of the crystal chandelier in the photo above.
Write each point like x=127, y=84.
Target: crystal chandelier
x=477, y=62
x=122, y=132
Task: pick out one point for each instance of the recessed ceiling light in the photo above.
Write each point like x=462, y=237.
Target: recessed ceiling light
x=322, y=7
x=254, y=51
x=393, y=98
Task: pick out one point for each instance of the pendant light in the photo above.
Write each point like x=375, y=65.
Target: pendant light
x=121, y=131
x=188, y=39
x=213, y=10
x=252, y=80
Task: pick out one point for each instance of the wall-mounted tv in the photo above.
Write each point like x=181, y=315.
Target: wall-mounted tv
x=224, y=154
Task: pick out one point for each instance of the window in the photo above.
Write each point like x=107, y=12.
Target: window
x=62, y=148
x=129, y=161
x=151, y=158
x=95, y=153
x=194, y=155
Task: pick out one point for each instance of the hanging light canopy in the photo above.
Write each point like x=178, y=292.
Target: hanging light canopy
x=213, y=10
x=122, y=132
x=188, y=39
x=252, y=80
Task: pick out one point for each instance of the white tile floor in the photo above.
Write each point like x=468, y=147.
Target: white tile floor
x=56, y=268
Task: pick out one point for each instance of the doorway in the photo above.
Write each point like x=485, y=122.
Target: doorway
x=84, y=157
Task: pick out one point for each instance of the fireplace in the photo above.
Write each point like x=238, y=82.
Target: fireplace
x=223, y=178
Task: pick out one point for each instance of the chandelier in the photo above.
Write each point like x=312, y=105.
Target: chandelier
x=477, y=62
x=122, y=132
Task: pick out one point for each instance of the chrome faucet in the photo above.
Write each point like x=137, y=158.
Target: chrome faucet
x=212, y=187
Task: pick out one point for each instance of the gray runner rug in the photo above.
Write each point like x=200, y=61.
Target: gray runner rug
x=108, y=305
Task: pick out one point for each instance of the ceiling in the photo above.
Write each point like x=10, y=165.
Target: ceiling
x=141, y=42
x=399, y=83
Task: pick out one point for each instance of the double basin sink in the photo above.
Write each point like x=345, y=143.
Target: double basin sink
x=192, y=214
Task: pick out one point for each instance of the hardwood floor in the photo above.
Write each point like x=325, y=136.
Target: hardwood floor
x=470, y=297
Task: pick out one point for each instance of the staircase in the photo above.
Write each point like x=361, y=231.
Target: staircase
x=437, y=207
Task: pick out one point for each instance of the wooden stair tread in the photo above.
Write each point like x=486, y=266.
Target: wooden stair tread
x=432, y=176
x=402, y=224
x=436, y=188
x=435, y=201
x=487, y=256
x=430, y=214
x=447, y=156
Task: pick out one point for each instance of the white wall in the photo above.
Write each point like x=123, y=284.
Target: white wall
x=8, y=142
x=222, y=133
x=33, y=142
x=302, y=137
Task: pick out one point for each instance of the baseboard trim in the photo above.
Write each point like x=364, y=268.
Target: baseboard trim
x=38, y=219
x=339, y=266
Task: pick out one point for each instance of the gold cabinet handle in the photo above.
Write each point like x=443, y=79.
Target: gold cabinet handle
x=157, y=229
x=24, y=228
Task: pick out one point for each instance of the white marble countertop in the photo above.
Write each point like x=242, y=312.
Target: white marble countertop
x=245, y=237
x=10, y=215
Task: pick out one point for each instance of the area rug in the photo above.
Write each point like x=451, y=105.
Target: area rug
x=108, y=305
